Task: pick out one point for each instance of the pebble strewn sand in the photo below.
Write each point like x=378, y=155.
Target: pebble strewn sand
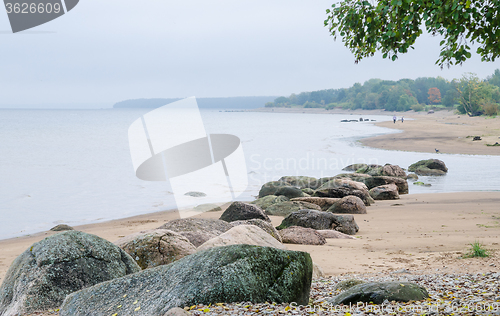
x=450, y=294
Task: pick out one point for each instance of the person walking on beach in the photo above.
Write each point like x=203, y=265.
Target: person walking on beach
x=394, y=118
x=402, y=119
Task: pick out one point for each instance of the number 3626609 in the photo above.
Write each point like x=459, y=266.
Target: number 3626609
x=33, y=8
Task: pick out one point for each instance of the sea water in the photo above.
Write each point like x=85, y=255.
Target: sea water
x=74, y=166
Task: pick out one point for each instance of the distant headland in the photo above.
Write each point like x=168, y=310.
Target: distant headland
x=203, y=103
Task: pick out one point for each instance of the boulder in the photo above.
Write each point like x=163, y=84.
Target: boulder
x=61, y=227
x=270, y=188
x=156, y=247
x=302, y=236
x=195, y=194
x=239, y=211
x=285, y=208
x=269, y=200
x=386, y=170
x=333, y=234
x=290, y=192
x=385, y=192
x=429, y=167
x=378, y=292
x=243, y=234
x=376, y=181
x=320, y=220
x=355, y=167
x=266, y=226
x=347, y=284
x=412, y=176
x=348, y=205
x=301, y=181
x=365, y=168
x=41, y=277
x=237, y=273
x=338, y=188
x=197, y=230
x=323, y=203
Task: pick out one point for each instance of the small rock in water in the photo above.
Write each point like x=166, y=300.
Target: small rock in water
x=195, y=194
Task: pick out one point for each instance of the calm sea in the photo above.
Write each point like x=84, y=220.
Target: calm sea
x=74, y=166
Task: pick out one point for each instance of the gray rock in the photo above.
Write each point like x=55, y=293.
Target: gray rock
x=290, y=192
x=348, y=205
x=269, y=200
x=412, y=176
x=195, y=194
x=338, y=188
x=302, y=236
x=301, y=181
x=197, y=230
x=238, y=211
x=385, y=192
x=238, y=273
x=156, y=247
x=320, y=220
x=42, y=276
x=266, y=226
x=376, y=181
x=61, y=227
x=270, y=188
x=386, y=170
x=323, y=203
x=429, y=167
x=379, y=292
x=243, y=234
x=285, y=208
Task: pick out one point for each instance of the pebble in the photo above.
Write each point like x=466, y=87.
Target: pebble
x=450, y=294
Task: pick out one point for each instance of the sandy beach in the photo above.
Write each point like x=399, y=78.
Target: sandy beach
x=446, y=131
x=419, y=232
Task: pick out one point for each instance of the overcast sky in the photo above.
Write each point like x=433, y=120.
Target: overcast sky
x=105, y=51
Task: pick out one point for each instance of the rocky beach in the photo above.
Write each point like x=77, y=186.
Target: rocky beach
x=354, y=242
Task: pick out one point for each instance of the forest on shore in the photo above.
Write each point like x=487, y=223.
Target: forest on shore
x=469, y=95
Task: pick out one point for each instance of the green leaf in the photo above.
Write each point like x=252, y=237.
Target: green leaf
x=394, y=57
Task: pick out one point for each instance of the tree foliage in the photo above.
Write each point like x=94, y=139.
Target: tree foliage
x=434, y=95
x=392, y=27
x=476, y=96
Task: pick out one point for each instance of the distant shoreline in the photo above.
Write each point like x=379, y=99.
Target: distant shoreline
x=443, y=130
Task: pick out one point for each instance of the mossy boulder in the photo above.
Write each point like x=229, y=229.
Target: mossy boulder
x=236, y=273
x=320, y=220
x=347, y=284
x=429, y=167
x=269, y=200
x=286, y=208
x=41, y=277
x=290, y=192
x=270, y=188
x=301, y=181
x=355, y=167
x=386, y=170
x=378, y=292
x=324, y=203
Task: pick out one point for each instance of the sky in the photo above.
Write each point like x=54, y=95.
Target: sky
x=102, y=52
